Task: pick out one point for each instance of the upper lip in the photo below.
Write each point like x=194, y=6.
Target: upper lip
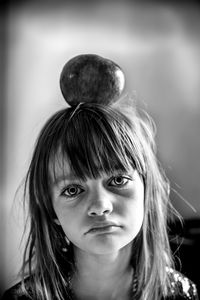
x=102, y=225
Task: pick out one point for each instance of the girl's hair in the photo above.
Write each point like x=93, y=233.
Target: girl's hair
x=95, y=138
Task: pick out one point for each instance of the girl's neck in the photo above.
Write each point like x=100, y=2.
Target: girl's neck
x=103, y=276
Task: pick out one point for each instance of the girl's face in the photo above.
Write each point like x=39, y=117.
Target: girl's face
x=100, y=215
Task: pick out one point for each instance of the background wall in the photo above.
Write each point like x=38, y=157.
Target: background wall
x=158, y=47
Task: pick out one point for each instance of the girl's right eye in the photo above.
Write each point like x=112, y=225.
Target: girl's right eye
x=72, y=191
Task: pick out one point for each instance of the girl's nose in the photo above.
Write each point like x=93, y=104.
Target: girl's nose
x=101, y=203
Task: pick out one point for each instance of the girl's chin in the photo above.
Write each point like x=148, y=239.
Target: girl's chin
x=105, y=247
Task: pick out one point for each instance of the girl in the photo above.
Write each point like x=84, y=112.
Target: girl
x=99, y=207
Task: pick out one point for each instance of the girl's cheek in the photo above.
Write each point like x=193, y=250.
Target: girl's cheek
x=126, y=193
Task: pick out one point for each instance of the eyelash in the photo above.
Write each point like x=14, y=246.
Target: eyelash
x=110, y=183
x=74, y=186
x=127, y=179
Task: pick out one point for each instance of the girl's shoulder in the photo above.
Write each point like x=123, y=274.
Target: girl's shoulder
x=17, y=292
x=181, y=286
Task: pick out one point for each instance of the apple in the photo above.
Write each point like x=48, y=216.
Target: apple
x=91, y=78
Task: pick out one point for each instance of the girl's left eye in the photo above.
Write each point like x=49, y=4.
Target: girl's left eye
x=72, y=191
x=119, y=181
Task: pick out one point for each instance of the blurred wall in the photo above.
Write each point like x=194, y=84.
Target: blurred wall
x=158, y=46
x=3, y=36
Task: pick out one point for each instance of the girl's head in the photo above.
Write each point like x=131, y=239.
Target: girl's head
x=92, y=142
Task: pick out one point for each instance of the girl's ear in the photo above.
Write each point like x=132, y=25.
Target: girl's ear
x=57, y=221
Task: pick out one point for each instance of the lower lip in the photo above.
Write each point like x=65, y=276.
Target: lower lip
x=107, y=229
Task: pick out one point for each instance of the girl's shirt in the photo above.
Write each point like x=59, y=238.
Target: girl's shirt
x=182, y=289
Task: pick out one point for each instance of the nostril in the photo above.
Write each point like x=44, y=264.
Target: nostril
x=106, y=212
x=99, y=213
x=100, y=205
x=93, y=214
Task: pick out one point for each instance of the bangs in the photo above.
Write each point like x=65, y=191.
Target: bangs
x=95, y=140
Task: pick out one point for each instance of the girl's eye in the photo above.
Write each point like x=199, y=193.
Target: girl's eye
x=72, y=191
x=119, y=181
